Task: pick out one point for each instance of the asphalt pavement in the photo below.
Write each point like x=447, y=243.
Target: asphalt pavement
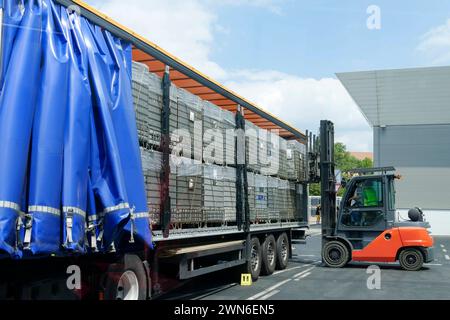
x=306, y=278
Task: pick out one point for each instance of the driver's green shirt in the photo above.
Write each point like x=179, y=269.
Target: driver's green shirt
x=370, y=197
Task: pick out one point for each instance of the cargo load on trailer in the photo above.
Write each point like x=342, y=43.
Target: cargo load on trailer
x=121, y=159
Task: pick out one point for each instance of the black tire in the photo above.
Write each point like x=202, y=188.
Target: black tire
x=269, y=255
x=126, y=279
x=411, y=259
x=253, y=267
x=335, y=254
x=283, y=251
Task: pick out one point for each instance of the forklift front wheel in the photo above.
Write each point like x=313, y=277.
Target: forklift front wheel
x=335, y=254
x=411, y=259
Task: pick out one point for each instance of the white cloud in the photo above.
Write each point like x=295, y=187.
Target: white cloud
x=435, y=44
x=182, y=27
x=186, y=28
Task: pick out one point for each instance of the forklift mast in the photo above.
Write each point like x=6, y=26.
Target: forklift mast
x=327, y=179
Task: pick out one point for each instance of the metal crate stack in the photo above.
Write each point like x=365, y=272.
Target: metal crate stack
x=273, y=151
x=273, y=202
x=213, y=141
x=204, y=185
x=229, y=193
x=189, y=115
x=283, y=190
x=187, y=207
x=229, y=125
x=298, y=212
x=291, y=203
x=151, y=167
x=283, y=171
x=296, y=154
x=251, y=195
x=261, y=198
x=251, y=146
x=213, y=194
x=147, y=96
x=264, y=158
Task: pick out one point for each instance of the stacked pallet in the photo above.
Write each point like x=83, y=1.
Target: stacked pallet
x=147, y=95
x=273, y=202
x=251, y=147
x=283, y=170
x=229, y=125
x=251, y=195
x=229, y=194
x=213, y=140
x=202, y=183
x=151, y=167
x=283, y=190
x=296, y=160
x=189, y=118
x=292, y=200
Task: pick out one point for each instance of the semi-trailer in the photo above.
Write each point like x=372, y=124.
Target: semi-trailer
x=129, y=170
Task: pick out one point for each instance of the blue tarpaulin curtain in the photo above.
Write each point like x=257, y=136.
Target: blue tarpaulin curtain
x=70, y=166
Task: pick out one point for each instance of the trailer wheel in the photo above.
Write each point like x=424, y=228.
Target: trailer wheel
x=253, y=267
x=126, y=280
x=283, y=251
x=335, y=254
x=269, y=256
x=411, y=259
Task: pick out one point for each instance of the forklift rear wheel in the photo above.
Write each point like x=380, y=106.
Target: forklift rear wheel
x=335, y=254
x=411, y=259
x=269, y=255
x=283, y=251
x=253, y=266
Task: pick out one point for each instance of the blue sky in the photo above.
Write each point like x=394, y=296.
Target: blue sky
x=319, y=38
x=283, y=54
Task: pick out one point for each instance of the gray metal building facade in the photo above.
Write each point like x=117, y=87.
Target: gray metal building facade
x=409, y=110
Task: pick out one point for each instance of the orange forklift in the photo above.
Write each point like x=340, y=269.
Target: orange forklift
x=365, y=227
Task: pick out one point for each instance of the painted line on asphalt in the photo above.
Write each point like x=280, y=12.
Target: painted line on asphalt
x=433, y=264
x=270, y=294
x=444, y=250
x=298, y=267
x=442, y=246
x=447, y=257
x=303, y=272
x=264, y=292
x=290, y=269
x=303, y=276
x=306, y=255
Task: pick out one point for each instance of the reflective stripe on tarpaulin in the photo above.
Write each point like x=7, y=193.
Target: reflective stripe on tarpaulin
x=84, y=158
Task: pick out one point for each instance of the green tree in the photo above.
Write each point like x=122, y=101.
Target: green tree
x=344, y=161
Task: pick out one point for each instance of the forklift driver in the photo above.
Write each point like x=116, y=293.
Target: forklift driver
x=356, y=201
x=364, y=195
